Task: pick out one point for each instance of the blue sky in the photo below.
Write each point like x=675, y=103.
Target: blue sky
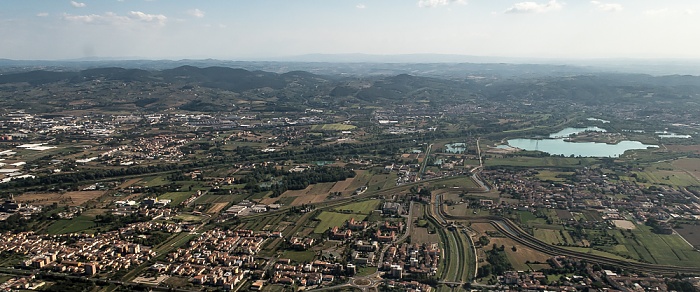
x=259, y=29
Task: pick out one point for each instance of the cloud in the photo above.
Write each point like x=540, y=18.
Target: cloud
x=111, y=18
x=534, y=7
x=657, y=12
x=152, y=18
x=360, y=6
x=77, y=4
x=607, y=7
x=196, y=13
x=689, y=12
x=436, y=3
x=42, y=14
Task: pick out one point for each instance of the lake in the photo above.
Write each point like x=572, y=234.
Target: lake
x=557, y=145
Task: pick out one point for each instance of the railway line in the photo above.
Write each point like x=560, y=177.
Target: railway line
x=511, y=230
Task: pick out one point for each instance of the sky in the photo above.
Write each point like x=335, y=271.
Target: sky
x=260, y=29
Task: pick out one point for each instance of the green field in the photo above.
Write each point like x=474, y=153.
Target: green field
x=332, y=127
x=176, y=197
x=189, y=218
x=664, y=249
x=77, y=224
x=331, y=219
x=548, y=175
x=597, y=252
x=459, y=182
x=363, y=207
x=382, y=181
x=298, y=256
x=674, y=178
x=549, y=236
x=154, y=181
x=210, y=199
x=539, y=161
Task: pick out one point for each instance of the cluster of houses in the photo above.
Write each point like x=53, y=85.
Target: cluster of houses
x=309, y=274
x=86, y=254
x=216, y=257
x=590, y=189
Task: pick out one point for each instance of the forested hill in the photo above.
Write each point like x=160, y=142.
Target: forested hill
x=213, y=89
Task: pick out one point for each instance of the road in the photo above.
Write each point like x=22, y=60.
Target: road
x=425, y=161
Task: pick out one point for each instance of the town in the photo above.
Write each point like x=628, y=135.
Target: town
x=383, y=184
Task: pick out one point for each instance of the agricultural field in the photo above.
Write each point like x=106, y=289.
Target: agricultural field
x=691, y=233
x=464, y=182
x=189, y=218
x=77, y=224
x=382, y=181
x=464, y=210
x=361, y=178
x=564, y=215
x=331, y=219
x=565, y=162
x=129, y=183
x=312, y=194
x=665, y=249
x=154, y=181
x=596, y=252
x=550, y=236
x=665, y=173
x=217, y=199
x=176, y=197
x=216, y=208
x=549, y=175
x=332, y=127
x=521, y=255
x=363, y=207
x=690, y=165
x=68, y=198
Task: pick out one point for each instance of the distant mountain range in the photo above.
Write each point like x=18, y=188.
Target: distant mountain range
x=436, y=65
x=217, y=88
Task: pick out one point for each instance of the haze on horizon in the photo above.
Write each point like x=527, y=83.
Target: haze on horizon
x=268, y=29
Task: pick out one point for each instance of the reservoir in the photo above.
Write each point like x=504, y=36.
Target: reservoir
x=557, y=145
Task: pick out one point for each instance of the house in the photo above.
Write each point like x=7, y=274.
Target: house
x=257, y=285
x=392, y=208
x=337, y=234
x=355, y=226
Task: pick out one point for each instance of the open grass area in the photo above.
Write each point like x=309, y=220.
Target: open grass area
x=298, y=256
x=332, y=127
x=365, y=271
x=77, y=224
x=363, y=207
x=331, y=219
x=5, y=278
